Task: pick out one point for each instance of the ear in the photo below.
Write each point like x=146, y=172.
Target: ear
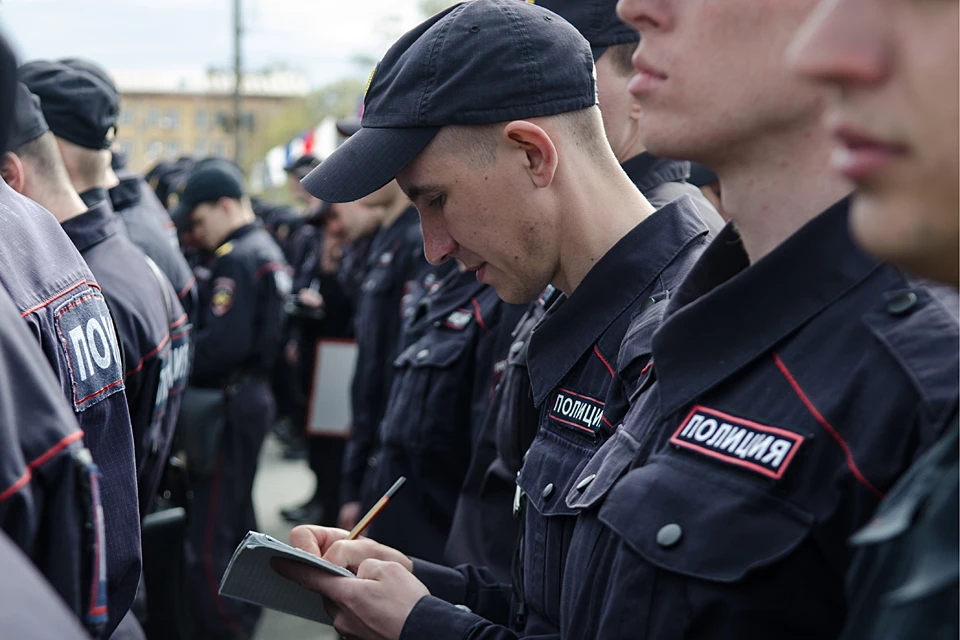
x=541, y=154
x=11, y=170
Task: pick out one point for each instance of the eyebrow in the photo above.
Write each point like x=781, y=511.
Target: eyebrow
x=417, y=191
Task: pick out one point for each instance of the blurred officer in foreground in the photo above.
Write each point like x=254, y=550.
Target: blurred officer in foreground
x=793, y=379
x=81, y=105
x=523, y=187
x=893, y=68
x=237, y=341
x=150, y=323
x=49, y=499
x=152, y=326
x=57, y=295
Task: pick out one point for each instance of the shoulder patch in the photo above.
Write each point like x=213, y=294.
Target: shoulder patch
x=223, y=249
x=459, y=319
x=90, y=345
x=578, y=412
x=749, y=445
x=224, y=292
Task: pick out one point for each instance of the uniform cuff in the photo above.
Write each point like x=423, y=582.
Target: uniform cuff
x=434, y=618
x=445, y=583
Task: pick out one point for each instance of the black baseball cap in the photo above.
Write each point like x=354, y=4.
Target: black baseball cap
x=596, y=20
x=476, y=63
x=28, y=121
x=302, y=165
x=78, y=105
x=8, y=91
x=208, y=181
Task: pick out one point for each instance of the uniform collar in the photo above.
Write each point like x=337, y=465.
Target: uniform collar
x=611, y=287
x=93, y=226
x=724, y=314
x=386, y=236
x=126, y=194
x=239, y=233
x=95, y=195
x=647, y=171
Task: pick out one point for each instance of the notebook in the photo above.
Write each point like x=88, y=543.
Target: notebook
x=250, y=577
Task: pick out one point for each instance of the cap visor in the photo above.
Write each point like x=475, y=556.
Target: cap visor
x=365, y=162
x=348, y=127
x=598, y=51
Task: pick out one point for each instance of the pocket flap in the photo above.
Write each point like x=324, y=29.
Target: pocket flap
x=690, y=524
x=606, y=467
x=433, y=352
x=550, y=470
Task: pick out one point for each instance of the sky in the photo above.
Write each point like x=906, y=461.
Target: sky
x=319, y=37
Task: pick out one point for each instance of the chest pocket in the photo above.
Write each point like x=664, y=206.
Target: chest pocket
x=720, y=554
x=431, y=394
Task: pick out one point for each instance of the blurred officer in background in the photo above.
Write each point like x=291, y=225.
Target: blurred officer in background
x=893, y=69
x=394, y=259
x=50, y=498
x=237, y=341
x=132, y=191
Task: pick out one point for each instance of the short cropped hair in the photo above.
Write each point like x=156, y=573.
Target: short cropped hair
x=44, y=155
x=479, y=142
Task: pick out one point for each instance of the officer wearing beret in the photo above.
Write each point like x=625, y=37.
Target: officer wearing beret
x=505, y=155
x=483, y=534
x=49, y=500
x=237, y=342
x=903, y=580
x=794, y=378
x=81, y=105
x=59, y=298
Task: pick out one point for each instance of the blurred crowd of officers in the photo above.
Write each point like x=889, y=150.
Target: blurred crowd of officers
x=632, y=398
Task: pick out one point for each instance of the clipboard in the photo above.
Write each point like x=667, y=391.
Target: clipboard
x=328, y=412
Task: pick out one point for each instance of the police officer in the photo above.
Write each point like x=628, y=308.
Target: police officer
x=153, y=330
x=85, y=126
x=903, y=578
x=237, y=341
x=49, y=501
x=483, y=532
x=526, y=191
x=767, y=431
x=395, y=258
x=438, y=402
x=57, y=295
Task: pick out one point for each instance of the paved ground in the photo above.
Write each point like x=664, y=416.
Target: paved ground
x=281, y=483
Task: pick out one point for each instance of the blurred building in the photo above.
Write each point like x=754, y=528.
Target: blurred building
x=166, y=114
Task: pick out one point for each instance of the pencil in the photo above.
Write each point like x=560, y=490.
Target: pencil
x=375, y=511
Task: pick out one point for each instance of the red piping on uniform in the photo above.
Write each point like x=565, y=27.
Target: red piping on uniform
x=603, y=360
x=590, y=431
x=179, y=321
x=96, y=393
x=826, y=425
x=59, y=295
x=27, y=475
x=646, y=368
x=476, y=313
x=270, y=266
x=187, y=287
x=604, y=418
x=573, y=393
x=147, y=356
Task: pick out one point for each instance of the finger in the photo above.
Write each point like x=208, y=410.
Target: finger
x=349, y=553
x=312, y=578
x=314, y=539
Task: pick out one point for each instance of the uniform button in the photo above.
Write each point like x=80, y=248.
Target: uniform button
x=515, y=347
x=547, y=491
x=586, y=482
x=902, y=303
x=669, y=536
x=422, y=354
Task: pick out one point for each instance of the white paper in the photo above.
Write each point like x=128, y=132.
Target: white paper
x=329, y=411
x=250, y=577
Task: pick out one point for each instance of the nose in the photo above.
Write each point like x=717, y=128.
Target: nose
x=438, y=245
x=646, y=15
x=842, y=43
